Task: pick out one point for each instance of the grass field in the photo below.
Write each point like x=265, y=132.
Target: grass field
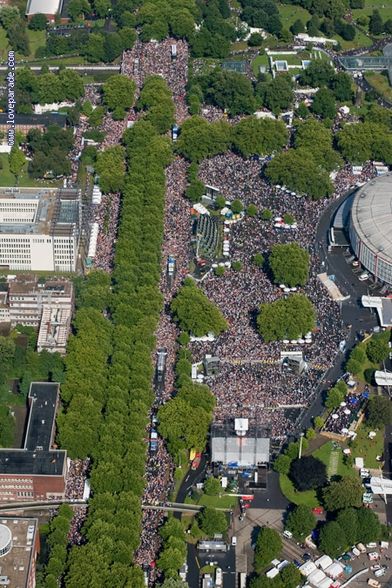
x=225, y=501
x=258, y=61
x=8, y=179
x=36, y=39
x=308, y=498
x=290, y=13
x=380, y=83
x=368, y=448
x=333, y=459
x=383, y=6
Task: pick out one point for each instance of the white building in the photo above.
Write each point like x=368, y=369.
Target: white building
x=39, y=229
x=47, y=7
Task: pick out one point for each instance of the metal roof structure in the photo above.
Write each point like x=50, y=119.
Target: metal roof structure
x=43, y=7
x=371, y=216
x=235, y=450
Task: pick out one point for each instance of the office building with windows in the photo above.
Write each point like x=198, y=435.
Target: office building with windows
x=40, y=229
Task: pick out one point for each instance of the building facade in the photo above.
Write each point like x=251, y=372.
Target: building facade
x=40, y=229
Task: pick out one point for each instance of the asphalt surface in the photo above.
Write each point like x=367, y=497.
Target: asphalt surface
x=225, y=561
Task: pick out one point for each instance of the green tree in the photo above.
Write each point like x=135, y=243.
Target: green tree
x=377, y=348
x=229, y=91
x=313, y=136
x=298, y=170
x=379, y=411
x=174, y=583
x=297, y=27
x=110, y=167
x=343, y=493
x=291, y=576
x=195, y=313
x=282, y=464
x=332, y=539
x=118, y=94
x=318, y=74
x=335, y=396
x=212, y=521
x=199, y=139
x=324, y=104
x=78, y=8
x=369, y=527
x=258, y=260
x=268, y=546
x=9, y=15
x=212, y=486
x=17, y=161
x=289, y=264
x=259, y=136
x=348, y=521
x=376, y=25
x=276, y=95
x=307, y=473
x=38, y=22
x=301, y=521
x=266, y=215
x=251, y=210
x=286, y=318
x=237, y=206
x=319, y=422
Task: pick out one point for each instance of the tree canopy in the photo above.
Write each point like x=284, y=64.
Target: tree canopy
x=118, y=94
x=289, y=264
x=268, y=546
x=286, y=318
x=342, y=493
x=301, y=521
x=195, y=313
x=299, y=171
x=212, y=521
x=308, y=472
x=259, y=136
x=379, y=411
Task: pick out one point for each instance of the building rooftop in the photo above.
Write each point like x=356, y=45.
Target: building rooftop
x=16, y=564
x=43, y=7
x=37, y=457
x=31, y=284
x=47, y=119
x=371, y=216
x=52, y=211
x=242, y=451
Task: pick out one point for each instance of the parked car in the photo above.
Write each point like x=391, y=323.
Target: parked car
x=363, y=277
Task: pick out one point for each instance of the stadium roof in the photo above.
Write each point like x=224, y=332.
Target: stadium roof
x=360, y=62
x=43, y=7
x=371, y=216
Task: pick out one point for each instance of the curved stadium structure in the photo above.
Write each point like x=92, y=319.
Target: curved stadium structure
x=371, y=227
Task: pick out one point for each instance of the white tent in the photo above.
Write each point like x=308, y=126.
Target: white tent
x=316, y=577
x=334, y=570
x=323, y=562
x=307, y=568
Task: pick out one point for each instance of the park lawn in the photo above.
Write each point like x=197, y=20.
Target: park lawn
x=260, y=60
x=3, y=44
x=308, y=498
x=290, y=13
x=36, y=39
x=361, y=40
x=8, y=179
x=380, y=83
x=324, y=453
x=368, y=448
x=383, y=6
x=224, y=501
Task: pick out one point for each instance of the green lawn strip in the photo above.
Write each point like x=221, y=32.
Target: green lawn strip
x=325, y=452
x=258, y=61
x=380, y=83
x=36, y=39
x=290, y=13
x=224, y=501
x=368, y=448
x=8, y=179
x=4, y=46
x=383, y=6
x=308, y=498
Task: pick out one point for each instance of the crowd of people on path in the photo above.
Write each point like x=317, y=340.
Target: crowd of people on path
x=168, y=59
x=107, y=215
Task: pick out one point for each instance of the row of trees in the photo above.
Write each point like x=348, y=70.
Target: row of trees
x=200, y=139
x=46, y=88
x=57, y=541
x=118, y=391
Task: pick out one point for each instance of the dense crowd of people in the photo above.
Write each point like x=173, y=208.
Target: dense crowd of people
x=107, y=216
x=153, y=58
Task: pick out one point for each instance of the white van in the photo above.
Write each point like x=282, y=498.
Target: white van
x=379, y=573
x=234, y=540
x=288, y=534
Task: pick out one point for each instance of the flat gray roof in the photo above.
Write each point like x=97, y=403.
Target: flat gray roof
x=371, y=216
x=242, y=451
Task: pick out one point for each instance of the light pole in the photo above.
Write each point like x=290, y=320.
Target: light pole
x=300, y=445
